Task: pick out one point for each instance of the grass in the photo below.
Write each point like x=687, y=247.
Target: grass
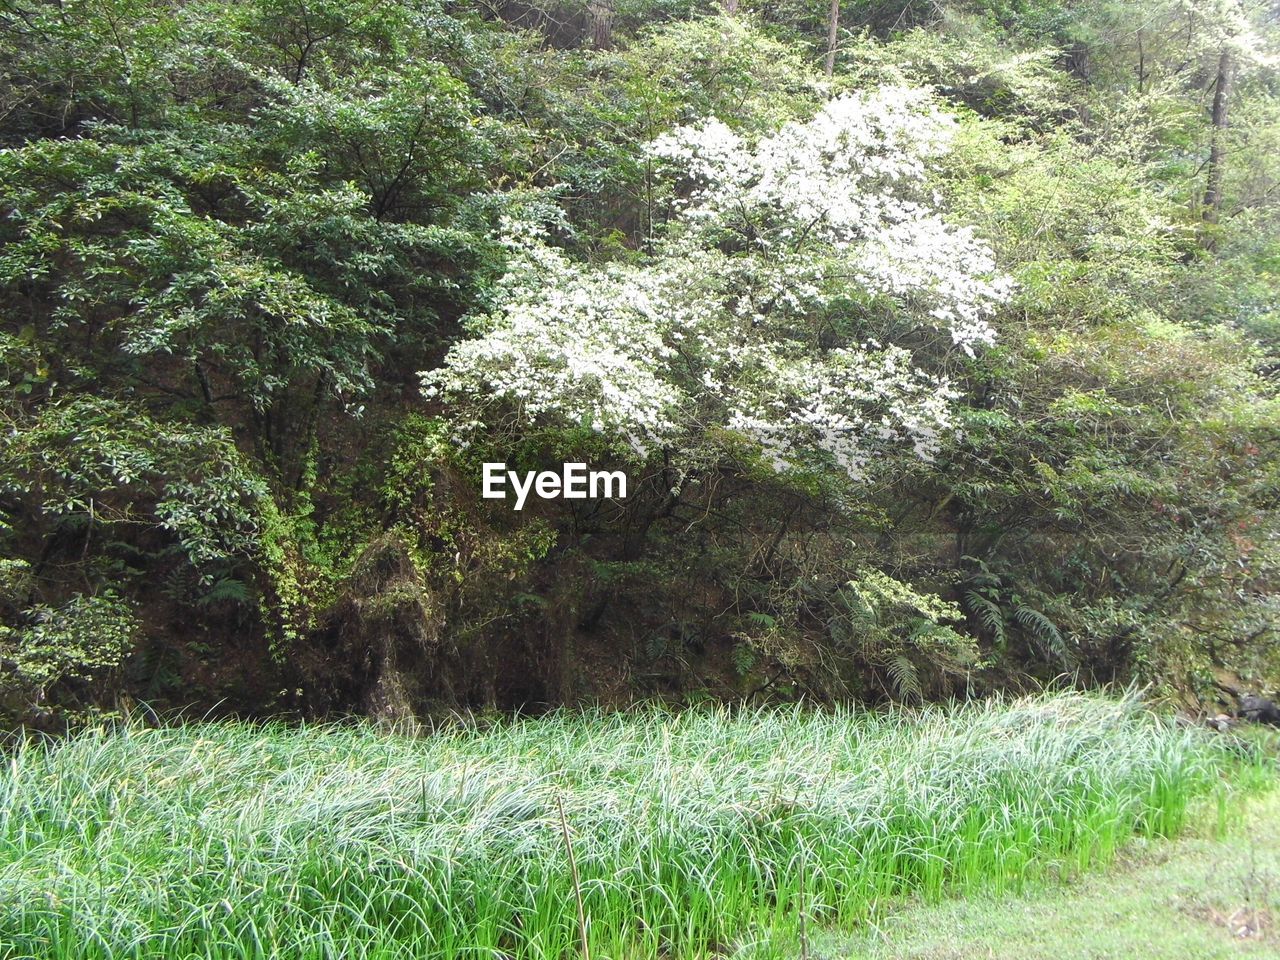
x=1209, y=896
x=690, y=833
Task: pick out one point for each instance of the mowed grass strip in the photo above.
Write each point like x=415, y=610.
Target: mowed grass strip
x=1211, y=895
x=691, y=831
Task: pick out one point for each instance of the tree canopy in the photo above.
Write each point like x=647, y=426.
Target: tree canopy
x=939, y=342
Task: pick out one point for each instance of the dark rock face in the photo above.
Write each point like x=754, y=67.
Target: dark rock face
x=1259, y=710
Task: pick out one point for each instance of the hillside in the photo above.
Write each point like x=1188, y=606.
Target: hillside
x=917, y=350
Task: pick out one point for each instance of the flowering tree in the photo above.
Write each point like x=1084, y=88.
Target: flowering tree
x=754, y=317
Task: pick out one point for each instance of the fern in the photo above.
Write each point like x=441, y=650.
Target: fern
x=988, y=613
x=1045, y=633
x=905, y=677
x=228, y=588
x=985, y=578
x=858, y=607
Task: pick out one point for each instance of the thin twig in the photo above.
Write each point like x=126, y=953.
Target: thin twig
x=577, y=885
x=804, y=890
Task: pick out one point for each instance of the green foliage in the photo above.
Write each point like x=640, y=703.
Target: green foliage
x=971, y=62
x=80, y=640
x=85, y=463
x=902, y=630
x=1001, y=611
x=231, y=235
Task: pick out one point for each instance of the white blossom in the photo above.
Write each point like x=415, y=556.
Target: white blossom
x=728, y=325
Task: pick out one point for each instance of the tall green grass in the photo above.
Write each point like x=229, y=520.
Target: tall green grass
x=691, y=832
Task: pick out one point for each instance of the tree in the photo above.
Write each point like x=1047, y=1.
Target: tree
x=761, y=314
x=601, y=14
x=1217, y=149
x=833, y=32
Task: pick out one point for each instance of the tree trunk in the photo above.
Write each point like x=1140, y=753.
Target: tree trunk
x=601, y=13
x=1142, y=65
x=1217, y=147
x=731, y=7
x=833, y=28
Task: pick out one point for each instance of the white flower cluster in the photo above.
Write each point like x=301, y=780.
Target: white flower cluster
x=572, y=343
x=839, y=174
x=853, y=179
x=741, y=319
x=849, y=406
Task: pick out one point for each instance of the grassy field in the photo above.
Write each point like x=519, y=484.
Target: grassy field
x=705, y=831
x=1208, y=896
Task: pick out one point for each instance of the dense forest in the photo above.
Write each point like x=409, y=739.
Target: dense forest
x=938, y=340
